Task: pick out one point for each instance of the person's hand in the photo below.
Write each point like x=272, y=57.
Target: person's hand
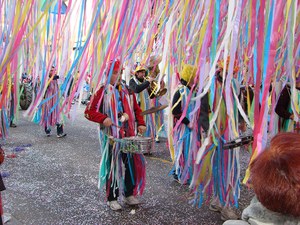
x=150, y=79
x=107, y=122
x=141, y=129
x=190, y=125
x=126, y=117
x=243, y=126
x=292, y=117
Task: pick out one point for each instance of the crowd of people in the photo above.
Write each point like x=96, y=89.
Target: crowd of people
x=118, y=108
x=118, y=119
x=212, y=100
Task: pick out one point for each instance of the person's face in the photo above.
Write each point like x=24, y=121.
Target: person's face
x=115, y=77
x=52, y=72
x=141, y=74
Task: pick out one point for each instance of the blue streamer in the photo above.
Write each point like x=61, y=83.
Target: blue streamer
x=267, y=44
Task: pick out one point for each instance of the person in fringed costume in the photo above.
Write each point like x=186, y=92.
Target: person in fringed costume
x=275, y=179
x=117, y=112
x=155, y=93
x=2, y=188
x=284, y=106
x=8, y=110
x=139, y=85
x=217, y=174
x=50, y=115
x=11, y=107
x=183, y=125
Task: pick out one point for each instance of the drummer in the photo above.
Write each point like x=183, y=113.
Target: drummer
x=117, y=119
x=139, y=84
x=221, y=164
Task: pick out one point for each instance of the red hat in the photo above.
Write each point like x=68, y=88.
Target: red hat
x=117, y=65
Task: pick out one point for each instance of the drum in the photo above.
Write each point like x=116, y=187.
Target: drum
x=136, y=144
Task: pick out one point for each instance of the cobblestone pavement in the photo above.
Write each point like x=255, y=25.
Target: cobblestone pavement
x=54, y=181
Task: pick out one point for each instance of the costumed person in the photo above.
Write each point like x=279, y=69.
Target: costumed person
x=225, y=163
x=50, y=106
x=183, y=126
x=156, y=90
x=139, y=85
x=203, y=118
x=216, y=176
x=26, y=91
x=2, y=188
x=246, y=97
x=11, y=107
x=275, y=178
x=117, y=112
x=284, y=107
x=86, y=92
x=4, y=217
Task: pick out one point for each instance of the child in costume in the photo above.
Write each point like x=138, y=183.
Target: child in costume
x=117, y=112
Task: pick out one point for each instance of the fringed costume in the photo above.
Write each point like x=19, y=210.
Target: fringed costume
x=217, y=174
x=156, y=91
x=119, y=171
x=285, y=111
x=158, y=118
x=140, y=88
x=182, y=135
x=50, y=105
x=49, y=112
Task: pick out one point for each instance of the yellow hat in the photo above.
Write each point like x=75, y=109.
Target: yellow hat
x=140, y=68
x=188, y=72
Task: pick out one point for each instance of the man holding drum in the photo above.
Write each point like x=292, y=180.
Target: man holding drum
x=117, y=111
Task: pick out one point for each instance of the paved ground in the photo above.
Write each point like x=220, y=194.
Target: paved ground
x=54, y=181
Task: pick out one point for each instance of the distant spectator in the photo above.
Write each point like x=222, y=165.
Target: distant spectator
x=86, y=92
x=50, y=110
x=12, y=107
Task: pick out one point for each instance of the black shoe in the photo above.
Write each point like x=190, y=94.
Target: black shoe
x=61, y=135
x=48, y=132
x=12, y=125
x=147, y=153
x=175, y=177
